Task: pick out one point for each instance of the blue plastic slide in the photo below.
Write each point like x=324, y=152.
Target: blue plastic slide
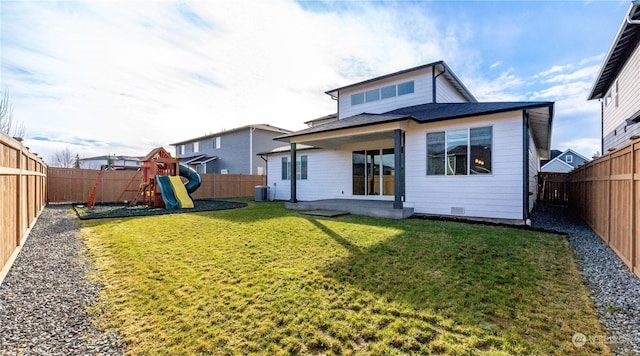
x=166, y=190
x=193, y=178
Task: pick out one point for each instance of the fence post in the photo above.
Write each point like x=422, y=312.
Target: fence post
x=609, y=201
x=633, y=207
x=18, y=200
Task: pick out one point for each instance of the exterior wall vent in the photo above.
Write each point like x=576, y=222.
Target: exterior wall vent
x=457, y=210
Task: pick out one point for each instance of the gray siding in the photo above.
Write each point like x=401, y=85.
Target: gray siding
x=233, y=154
x=236, y=153
x=263, y=142
x=620, y=136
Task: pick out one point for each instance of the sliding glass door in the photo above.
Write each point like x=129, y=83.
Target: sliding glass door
x=373, y=172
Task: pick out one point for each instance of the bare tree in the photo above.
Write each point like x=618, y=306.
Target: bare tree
x=63, y=158
x=7, y=124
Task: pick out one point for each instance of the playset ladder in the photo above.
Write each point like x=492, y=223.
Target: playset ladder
x=134, y=201
x=94, y=191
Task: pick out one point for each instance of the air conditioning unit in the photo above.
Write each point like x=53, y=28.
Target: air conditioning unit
x=262, y=193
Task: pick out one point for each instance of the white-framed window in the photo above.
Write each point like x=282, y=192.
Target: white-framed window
x=301, y=168
x=216, y=142
x=615, y=94
x=196, y=147
x=460, y=152
x=568, y=158
x=181, y=150
x=386, y=92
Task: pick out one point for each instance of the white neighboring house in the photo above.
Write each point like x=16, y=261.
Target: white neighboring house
x=98, y=161
x=420, y=139
x=565, y=162
x=617, y=85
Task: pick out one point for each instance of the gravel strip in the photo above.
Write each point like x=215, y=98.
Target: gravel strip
x=615, y=290
x=45, y=296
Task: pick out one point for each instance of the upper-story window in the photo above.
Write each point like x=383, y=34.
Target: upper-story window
x=196, y=147
x=216, y=142
x=181, y=150
x=382, y=93
x=568, y=158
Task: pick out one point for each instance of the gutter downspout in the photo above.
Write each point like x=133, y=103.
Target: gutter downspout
x=294, y=194
x=266, y=168
x=251, y=150
x=631, y=21
x=601, y=127
x=434, y=79
x=525, y=165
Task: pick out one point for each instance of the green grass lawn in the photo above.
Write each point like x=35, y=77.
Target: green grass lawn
x=266, y=280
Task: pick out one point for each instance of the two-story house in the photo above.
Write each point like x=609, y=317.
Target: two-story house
x=98, y=161
x=617, y=85
x=231, y=151
x=420, y=140
x=563, y=162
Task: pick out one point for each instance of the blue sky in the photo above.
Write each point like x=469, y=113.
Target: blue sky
x=123, y=77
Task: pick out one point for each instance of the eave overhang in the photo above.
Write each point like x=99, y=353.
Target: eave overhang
x=625, y=42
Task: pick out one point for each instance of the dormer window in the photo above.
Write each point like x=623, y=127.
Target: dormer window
x=568, y=158
x=372, y=95
x=357, y=99
x=405, y=88
x=382, y=93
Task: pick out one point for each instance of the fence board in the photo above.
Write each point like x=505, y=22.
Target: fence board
x=23, y=183
x=553, y=188
x=75, y=185
x=606, y=194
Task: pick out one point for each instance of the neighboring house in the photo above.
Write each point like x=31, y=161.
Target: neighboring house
x=564, y=162
x=231, y=151
x=617, y=85
x=420, y=139
x=99, y=161
x=322, y=120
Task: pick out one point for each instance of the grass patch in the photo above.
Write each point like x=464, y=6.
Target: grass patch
x=266, y=280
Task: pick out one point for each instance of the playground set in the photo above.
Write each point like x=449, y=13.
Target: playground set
x=158, y=182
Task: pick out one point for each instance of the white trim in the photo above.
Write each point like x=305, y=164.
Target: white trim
x=575, y=154
x=557, y=159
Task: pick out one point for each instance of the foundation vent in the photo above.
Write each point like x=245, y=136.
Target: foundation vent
x=457, y=210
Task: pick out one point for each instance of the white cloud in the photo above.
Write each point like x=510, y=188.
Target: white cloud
x=495, y=65
x=141, y=74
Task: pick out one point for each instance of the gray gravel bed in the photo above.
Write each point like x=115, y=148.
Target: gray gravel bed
x=45, y=297
x=615, y=290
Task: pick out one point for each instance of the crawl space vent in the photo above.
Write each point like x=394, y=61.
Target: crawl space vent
x=457, y=210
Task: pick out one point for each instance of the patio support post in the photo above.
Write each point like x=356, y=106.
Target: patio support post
x=294, y=197
x=398, y=180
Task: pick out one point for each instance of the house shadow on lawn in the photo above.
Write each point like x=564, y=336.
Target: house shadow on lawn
x=489, y=288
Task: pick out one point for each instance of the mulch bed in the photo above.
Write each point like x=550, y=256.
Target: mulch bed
x=104, y=211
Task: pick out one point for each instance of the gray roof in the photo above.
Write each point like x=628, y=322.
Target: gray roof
x=421, y=113
x=446, y=71
x=626, y=41
x=264, y=127
x=363, y=119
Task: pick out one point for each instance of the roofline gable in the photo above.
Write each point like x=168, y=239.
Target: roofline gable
x=618, y=53
x=446, y=70
x=264, y=127
x=557, y=160
x=574, y=153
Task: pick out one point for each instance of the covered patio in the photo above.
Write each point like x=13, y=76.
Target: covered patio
x=373, y=208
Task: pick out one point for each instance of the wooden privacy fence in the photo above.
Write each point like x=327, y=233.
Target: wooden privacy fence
x=75, y=185
x=553, y=188
x=606, y=194
x=23, y=184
